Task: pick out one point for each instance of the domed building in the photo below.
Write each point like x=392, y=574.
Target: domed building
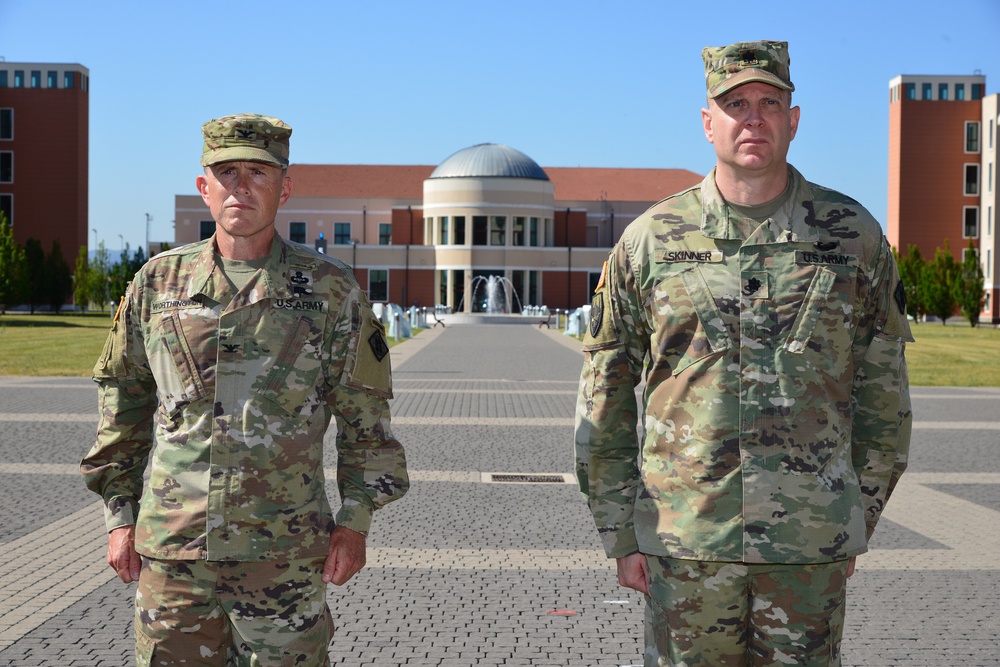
x=426, y=235
x=495, y=204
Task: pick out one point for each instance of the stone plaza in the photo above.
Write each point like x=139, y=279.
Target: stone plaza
x=470, y=571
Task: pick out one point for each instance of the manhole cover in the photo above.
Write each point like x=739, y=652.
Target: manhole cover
x=527, y=478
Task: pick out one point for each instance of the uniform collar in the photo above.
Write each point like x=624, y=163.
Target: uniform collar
x=269, y=283
x=792, y=222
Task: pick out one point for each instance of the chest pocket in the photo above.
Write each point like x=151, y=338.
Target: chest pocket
x=292, y=378
x=691, y=318
x=180, y=379
x=821, y=334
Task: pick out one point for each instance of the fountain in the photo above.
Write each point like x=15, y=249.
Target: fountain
x=494, y=301
x=497, y=299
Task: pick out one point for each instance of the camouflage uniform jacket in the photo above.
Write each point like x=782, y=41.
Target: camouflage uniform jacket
x=231, y=396
x=777, y=413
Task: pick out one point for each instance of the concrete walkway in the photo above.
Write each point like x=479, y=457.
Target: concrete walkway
x=464, y=571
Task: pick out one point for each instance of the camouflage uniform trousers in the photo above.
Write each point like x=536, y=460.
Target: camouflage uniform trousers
x=714, y=614
x=232, y=614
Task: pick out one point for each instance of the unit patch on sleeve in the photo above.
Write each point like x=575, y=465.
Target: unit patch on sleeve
x=596, y=313
x=378, y=345
x=900, y=297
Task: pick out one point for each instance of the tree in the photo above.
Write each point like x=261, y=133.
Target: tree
x=967, y=290
x=98, y=277
x=35, y=270
x=59, y=281
x=13, y=267
x=937, y=278
x=81, y=280
x=119, y=275
x=122, y=272
x=910, y=270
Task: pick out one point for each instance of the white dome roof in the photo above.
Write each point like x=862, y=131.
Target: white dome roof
x=486, y=160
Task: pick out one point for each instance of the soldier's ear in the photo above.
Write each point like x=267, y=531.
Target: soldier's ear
x=706, y=123
x=286, y=190
x=201, y=183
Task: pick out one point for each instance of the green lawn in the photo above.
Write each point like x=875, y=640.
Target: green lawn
x=65, y=345
x=956, y=355
x=52, y=344
x=953, y=355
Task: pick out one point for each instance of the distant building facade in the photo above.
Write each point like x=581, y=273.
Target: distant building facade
x=430, y=235
x=44, y=152
x=943, y=149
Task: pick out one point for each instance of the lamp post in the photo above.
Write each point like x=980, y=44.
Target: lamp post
x=149, y=219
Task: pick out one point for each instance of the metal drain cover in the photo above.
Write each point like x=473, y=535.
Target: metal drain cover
x=527, y=478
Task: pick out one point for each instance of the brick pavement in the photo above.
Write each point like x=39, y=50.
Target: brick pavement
x=464, y=572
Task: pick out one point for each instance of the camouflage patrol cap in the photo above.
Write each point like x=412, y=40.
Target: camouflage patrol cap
x=245, y=136
x=729, y=66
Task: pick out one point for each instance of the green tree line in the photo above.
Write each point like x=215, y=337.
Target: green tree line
x=29, y=275
x=942, y=286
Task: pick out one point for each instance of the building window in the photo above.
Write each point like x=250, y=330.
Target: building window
x=533, y=232
x=19, y=78
x=910, y=90
x=966, y=251
x=341, y=233
x=384, y=233
x=972, y=136
x=959, y=91
x=459, y=230
x=297, y=232
x=942, y=91
x=7, y=207
x=926, y=90
x=989, y=180
x=378, y=285
x=443, y=291
x=970, y=229
x=3, y=78
x=444, y=231
x=6, y=166
x=972, y=179
x=977, y=91
x=480, y=233
x=205, y=229
x=517, y=232
x=498, y=230
x=991, y=134
x=36, y=78
x=67, y=79
x=6, y=124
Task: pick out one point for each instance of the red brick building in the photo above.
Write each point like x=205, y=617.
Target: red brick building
x=942, y=171
x=44, y=151
x=429, y=235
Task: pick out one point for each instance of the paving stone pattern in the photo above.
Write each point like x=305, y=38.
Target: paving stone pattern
x=463, y=572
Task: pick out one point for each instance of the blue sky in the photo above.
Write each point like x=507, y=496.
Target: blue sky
x=568, y=82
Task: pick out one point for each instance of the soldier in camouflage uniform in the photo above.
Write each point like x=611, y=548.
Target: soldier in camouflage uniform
x=225, y=362
x=764, y=317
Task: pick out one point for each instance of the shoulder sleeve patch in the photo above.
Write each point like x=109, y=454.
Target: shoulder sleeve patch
x=368, y=365
x=602, y=332
x=112, y=363
x=897, y=326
